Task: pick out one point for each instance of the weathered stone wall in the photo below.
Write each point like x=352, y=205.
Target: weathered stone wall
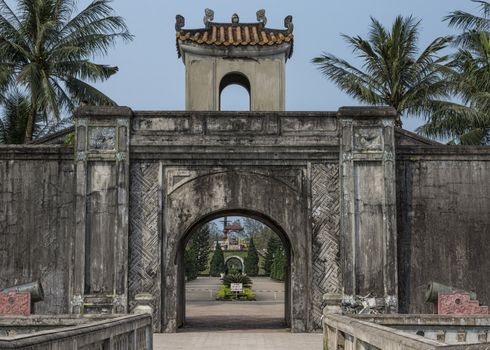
x=300, y=171
x=443, y=205
x=37, y=220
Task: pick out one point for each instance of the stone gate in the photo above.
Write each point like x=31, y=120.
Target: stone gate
x=108, y=218
x=321, y=180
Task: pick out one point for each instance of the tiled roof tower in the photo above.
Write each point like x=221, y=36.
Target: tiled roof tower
x=235, y=34
x=250, y=55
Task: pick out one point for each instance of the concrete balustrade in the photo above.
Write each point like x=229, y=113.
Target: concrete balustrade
x=366, y=332
x=120, y=333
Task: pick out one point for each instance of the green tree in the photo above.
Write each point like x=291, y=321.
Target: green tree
x=252, y=260
x=190, y=263
x=16, y=109
x=258, y=231
x=214, y=232
x=217, y=265
x=272, y=244
x=47, y=51
x=467, y=121
x=279, y=265
x=200, y=243
x=393, y=71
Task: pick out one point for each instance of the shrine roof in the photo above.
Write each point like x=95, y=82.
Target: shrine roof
x=235, y=34
x=233, y=227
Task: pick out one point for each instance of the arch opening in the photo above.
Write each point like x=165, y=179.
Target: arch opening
x=204, y=289
x=235, y=93
x=234, y=263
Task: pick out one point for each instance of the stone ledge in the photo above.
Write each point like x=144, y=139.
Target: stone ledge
x=355, y=111
x=405, y=152
x=366, y=112
x=51, y=320
x=426, y=319
x=103, y=111
x=157, y=114
x=36, y=152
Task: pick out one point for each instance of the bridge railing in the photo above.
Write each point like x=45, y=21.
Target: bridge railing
x=131, y=332
x=343, y=332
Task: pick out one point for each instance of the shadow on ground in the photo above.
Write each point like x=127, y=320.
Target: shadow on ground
x=239, y=323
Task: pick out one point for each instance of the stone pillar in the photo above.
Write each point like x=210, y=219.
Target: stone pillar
x=368, y=199
x=99, y=276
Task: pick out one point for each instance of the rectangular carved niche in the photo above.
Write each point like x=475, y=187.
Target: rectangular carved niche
x=368, y=139
x=102, y=138
x=101, y=227
x=234, y=125
x=368, y=214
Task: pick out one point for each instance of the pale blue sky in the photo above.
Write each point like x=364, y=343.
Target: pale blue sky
x=152, y=78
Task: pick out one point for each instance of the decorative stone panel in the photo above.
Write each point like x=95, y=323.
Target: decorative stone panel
x=326, y=236
x=144, y=238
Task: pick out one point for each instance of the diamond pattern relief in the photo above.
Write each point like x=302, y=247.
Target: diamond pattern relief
x=144, y=239
x=326, y=235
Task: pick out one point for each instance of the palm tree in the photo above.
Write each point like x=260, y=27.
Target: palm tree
x=467, y=122
x=47, y=50
x=13, y=122
x=392, y=73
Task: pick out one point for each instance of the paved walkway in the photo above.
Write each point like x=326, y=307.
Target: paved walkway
x=204, y=313
x=218, y=325
x=237, y=341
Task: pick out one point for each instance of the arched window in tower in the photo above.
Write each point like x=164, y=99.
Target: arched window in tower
x=235, y=93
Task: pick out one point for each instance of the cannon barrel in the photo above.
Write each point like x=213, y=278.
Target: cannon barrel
x=34, y=288
x=434, y=288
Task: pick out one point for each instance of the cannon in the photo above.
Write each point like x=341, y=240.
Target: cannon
x=434, y=288
x=33, y=288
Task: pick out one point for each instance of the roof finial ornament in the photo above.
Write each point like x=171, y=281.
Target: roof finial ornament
x=208, y=16
x=235, y=19
x=261, y=17
x=288, y=23
x=179, y=23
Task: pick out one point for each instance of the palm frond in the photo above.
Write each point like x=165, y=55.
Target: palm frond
x=465, y=21
x=84, y=69
x=452, y=120
x=81, y=91
x=350, y=79
x=474, y=137
x=13, y=122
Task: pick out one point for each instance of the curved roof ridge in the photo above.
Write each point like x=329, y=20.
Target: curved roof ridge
x=235, y=33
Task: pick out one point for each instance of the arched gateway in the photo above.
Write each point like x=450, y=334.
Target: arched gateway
x=209, y=195
x=324, y=181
